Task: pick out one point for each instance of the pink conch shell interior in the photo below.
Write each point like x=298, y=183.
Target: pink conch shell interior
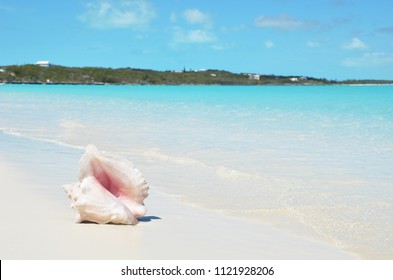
x=110, y=189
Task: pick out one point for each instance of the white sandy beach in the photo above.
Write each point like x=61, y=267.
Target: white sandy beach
x=38, y=224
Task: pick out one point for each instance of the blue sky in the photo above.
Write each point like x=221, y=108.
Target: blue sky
x=334, y=39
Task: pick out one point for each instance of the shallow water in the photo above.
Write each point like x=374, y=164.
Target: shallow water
x=316, y=156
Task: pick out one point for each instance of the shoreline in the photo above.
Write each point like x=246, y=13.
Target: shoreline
x=38, y=224
x=193, y=84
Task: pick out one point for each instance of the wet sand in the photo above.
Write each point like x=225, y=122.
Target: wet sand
x=37, y=223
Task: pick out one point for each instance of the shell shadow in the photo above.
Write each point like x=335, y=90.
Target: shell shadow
x=147, y=219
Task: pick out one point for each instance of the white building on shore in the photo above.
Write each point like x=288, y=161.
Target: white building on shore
x=43, y=63
x=254, y=76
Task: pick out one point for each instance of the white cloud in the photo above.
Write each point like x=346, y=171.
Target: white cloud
x=200, y=35
x=195, y=16
x=269, y=44
x=221, y=47
x=282, y=22
x=173, y=17
x=368, y=60
x=355, y=44
x=107, y=14
x=313, y=44
x=193, y=36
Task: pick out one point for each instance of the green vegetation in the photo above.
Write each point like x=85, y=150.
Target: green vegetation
x=34, y=74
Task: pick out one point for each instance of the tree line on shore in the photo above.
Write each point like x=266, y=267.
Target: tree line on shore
x=55, y=74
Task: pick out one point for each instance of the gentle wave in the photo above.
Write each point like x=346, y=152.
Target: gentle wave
x=18, y=133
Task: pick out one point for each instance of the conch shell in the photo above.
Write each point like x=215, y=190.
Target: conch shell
x=110, y=189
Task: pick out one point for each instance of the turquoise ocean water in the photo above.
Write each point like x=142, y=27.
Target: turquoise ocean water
x=319, y=159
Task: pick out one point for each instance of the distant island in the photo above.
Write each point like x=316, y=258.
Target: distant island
x=45, y=73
